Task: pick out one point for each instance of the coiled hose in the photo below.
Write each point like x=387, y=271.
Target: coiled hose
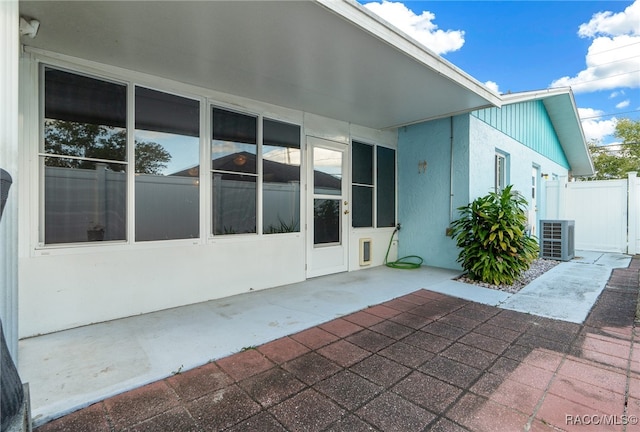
x=406, y=263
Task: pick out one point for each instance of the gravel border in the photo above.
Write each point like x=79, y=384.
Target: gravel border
x=537, y=269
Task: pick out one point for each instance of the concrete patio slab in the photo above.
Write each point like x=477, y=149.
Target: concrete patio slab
x=456, y=365
x=71, y=369
x=74, y=368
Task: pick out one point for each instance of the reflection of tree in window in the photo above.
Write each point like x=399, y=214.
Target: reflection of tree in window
x=91, y=141
x=84, y=158
x=326, y=221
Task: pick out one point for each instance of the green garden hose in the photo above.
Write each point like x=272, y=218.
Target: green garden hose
x=405, y=263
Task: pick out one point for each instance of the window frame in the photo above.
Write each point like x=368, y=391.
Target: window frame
x=207, y=98
x=257, y=175
x=41, y=154
x=132, y=158
x=500, y=171
x=300, y=165
x=374, y=186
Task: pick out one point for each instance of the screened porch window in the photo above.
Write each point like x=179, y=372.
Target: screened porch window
x=386, y=187
x=280, y=177
x=373, y=187
x=92, y=177
x=167, y=166
x=84, y=158
x=362, y=188
x=234, y=149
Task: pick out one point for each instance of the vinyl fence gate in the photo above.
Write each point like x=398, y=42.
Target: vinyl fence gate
x=606, y=212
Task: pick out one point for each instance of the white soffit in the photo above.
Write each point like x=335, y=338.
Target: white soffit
x=332, y=58
x=561, y=107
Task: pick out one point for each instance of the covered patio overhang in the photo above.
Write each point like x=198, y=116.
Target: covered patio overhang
x=334, y=59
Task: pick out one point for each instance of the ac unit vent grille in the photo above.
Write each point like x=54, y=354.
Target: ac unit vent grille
x=558, y=239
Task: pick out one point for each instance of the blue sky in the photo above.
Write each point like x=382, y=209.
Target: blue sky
x=592, y=46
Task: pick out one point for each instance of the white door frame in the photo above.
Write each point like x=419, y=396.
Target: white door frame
x=328, y=256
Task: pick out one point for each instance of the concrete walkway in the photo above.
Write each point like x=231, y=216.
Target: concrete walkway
x=424, y=361
x=568, y=291
x=72, y=369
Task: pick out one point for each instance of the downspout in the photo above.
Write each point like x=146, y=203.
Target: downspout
x=450, y=170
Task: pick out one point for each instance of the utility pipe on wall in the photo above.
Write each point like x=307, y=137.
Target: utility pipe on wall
x=451, y=169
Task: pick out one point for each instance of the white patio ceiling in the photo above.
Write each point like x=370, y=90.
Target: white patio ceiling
x=332, y=58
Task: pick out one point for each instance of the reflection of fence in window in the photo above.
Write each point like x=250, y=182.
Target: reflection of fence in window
x=79, y=201
x=234, y=204
x=166, y=207
x=281, y=207
x=84, y=205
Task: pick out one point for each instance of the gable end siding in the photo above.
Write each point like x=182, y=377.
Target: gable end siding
x=529, y=124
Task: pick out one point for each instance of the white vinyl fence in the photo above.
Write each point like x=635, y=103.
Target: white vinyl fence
x=606, y=212
x=76, y=200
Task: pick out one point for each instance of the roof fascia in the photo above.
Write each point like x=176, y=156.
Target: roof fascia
x=511, y=98
x=545, y=95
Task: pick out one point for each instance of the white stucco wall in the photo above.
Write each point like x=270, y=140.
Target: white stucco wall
x=424, y=193
x=484, y=142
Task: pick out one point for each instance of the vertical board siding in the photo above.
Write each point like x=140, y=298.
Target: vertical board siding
x=9, y=49
x=529, y=124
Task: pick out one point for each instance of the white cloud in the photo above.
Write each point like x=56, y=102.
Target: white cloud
x=420, y=27
x=612, y=24
x=613, y=57
x=616, y=93
x=594, y=128
x=492, y=85
x=623, y=104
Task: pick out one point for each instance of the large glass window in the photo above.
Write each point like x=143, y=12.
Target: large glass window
x=84, y=158
x=373, y=175
x=280, y=177
x=167, y=166
x=234, y=172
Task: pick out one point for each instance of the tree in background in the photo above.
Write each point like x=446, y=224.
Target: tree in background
x=615, y=164
x=85, y=140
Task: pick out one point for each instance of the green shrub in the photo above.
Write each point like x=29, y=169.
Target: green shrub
x=492, y=234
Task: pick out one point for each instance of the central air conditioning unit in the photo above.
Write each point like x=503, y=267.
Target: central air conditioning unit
x=557, y=241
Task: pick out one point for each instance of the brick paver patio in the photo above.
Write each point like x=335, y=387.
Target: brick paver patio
x=424, y=361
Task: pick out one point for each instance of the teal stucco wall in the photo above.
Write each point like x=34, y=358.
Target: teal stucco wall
x=424, y=191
